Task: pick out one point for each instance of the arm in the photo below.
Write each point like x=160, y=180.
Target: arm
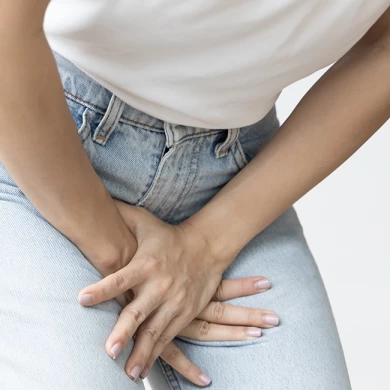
x=40, y=148
x=346, y=106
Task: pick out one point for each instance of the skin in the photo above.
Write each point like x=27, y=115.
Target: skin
x=346, y=106
x=50, y=166
x=337, y=116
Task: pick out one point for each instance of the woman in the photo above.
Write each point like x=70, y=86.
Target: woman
x=175, y=193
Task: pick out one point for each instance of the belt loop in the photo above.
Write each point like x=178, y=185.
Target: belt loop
x=169, y=134
x=222, y=148
x=109, y=120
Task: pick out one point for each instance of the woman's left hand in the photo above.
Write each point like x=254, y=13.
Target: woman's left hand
x=173, y=275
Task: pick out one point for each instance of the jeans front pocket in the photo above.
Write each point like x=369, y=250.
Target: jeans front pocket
x=124, y=155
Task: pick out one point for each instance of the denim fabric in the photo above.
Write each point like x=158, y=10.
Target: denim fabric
x=49, y=341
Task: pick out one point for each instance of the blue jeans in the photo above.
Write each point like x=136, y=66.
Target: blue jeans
x=49, y=341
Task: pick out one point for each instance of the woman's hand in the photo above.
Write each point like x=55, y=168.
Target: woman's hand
x=214, y=324
x=173, y=277
x=217, y=322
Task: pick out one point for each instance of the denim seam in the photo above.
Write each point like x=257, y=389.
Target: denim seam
x=139, y=124
x=241, y=151
x=165, y=373
x=173, y=383
x=176, y=205
x=157, y=175
x=237, y=163
x=182, y=196
x=189, y=136
x=101, y=110
x=79, y=100
x=209, y=132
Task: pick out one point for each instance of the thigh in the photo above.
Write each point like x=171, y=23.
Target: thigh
x=48, y=340
x=304, y=351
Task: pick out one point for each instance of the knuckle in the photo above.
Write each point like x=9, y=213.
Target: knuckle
x=150, y=267
x=218, y=310
x=119, y=282
x=134, y=314
x=204, y=328
x=188, y=369
x=166, y=284
x=171, y=311
x=152, y=333
x=172, y=354
x=164, y=340
x=180, y=298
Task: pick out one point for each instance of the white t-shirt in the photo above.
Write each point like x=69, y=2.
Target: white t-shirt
x=205, y=63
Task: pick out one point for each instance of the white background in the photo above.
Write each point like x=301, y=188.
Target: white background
x=346, y=223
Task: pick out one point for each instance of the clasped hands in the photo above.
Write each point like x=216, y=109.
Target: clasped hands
x=176, y=285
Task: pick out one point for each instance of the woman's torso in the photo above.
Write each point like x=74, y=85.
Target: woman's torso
x=213, y=64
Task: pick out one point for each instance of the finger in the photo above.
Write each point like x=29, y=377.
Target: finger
x=172, y=330
x=176, y=359
x=227, y=314
x=130, y=318
x=146, y=337
x=111, y=286
x=206, y=331
x=240, y=287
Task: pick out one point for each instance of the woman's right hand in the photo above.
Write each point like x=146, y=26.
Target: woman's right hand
x=218, y=322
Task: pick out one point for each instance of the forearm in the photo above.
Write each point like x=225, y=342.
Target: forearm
x=337, y=116
x=41, y=150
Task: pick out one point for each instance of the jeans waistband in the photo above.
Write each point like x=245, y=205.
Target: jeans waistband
x=82, y=88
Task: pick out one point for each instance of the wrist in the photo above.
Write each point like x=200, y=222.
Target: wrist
x=223, y=249
x=109, y=256
x=111, y=245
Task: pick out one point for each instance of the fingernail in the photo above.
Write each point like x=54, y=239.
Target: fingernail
x=271, y=319
x=134, y=373
x=115, y=350
x=86, y=299
x=263, y=283
x=253, y=332
x=204, y=379
x=144, y=372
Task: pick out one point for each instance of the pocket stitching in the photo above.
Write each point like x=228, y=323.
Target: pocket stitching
x=241, y=150
x=222, y=343
x=243, y=162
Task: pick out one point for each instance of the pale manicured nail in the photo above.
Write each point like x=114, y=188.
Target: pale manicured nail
x=115, y=350
x=253, y=332
x=263, y=283
x=271, y=319
x=144, y=372
x=134, y=373
x=86, y=299
x=204, y=379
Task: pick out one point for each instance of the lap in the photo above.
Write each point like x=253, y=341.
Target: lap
x=48, y=340
x=304, y=351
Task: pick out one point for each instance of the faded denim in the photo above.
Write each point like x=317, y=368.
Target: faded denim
x=48, y=341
